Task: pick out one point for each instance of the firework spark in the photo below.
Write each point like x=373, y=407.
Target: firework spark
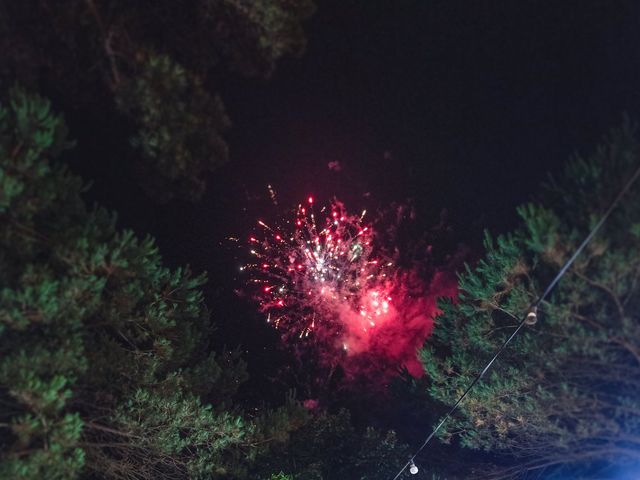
x=307, y=269
x=321, y=275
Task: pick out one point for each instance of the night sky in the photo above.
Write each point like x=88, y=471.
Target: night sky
x=437, y=117
x=463, y=106
x=457, y=105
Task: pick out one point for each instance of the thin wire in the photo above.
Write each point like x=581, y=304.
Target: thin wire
x=532, y=308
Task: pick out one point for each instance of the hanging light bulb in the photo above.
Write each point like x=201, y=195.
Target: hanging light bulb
x=413, y=468
x=532, y=316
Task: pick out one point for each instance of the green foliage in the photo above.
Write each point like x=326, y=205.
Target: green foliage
x=168, y=427
x=28, y=131
x=327, y=446
x=280, y=476
x=259, y=32
x=103, y=350
x=179, y=128
x=148, y=69
x=568, y=388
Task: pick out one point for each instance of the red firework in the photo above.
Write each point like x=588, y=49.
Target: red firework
x=309, y=268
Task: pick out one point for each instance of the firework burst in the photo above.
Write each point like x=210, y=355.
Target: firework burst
x=307, y=269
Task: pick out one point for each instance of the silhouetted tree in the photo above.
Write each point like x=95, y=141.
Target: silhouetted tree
x=146, y=64
x=104, y=359
x=567, y=390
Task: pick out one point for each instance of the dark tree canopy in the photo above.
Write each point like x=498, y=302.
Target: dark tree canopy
x=151, y=65
x=567, y=390
x=102, y=346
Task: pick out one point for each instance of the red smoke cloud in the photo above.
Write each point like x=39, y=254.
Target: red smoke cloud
x=394, y=342
x=347, y=293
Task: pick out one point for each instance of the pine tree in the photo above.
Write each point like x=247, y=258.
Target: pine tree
x=567, y=390
x=105, y=366
x=327, y=446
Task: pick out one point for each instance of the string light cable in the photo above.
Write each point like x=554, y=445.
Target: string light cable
x=529, y=318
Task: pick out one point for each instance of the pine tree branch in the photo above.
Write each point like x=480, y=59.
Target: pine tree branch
x=607, y=290
x=634, y=283
x=107, y=39
x=104, y=428
x=632, y=349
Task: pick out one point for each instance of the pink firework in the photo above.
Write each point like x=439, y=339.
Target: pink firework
x=310, y=268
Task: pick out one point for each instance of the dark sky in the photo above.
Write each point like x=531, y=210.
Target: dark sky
x=463, y=105
x=458, y=105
